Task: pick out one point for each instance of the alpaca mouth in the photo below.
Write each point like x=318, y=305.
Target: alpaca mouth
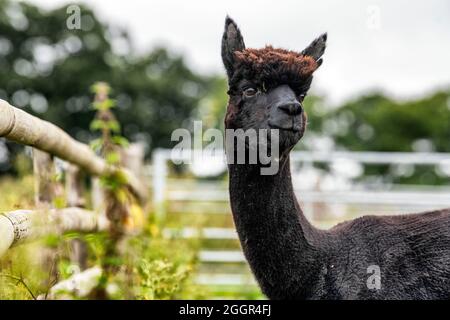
x=291, y=124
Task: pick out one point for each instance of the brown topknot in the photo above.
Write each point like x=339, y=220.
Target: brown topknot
x=270, y=67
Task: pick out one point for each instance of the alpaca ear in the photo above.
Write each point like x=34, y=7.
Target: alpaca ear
x=231, y=41
x=316, y=48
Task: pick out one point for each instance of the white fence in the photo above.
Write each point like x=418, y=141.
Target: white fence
x=411, y=196
x=382, y=199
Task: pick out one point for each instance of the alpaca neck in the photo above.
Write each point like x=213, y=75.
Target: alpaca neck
x=277, y=239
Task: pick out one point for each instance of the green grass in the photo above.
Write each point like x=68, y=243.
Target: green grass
x=20, y=273
x=151, y=266
x=16, y=193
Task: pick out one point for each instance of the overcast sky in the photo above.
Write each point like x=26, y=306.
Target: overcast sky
x=402, y=47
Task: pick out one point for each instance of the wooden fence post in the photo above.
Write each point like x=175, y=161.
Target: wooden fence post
x=159, y=183
x=97, y=196
x=74, y=187
x=74, y=198
x=132, y=158
x=44, y=175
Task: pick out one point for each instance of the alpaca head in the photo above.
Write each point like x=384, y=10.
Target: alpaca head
x=267, y=86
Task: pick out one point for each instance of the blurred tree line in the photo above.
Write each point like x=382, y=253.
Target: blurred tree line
x=47, y=70
x=378, y=123
x=375, y=122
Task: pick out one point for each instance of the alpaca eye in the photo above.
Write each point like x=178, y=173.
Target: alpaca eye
x=250, y=92
x=301, y=97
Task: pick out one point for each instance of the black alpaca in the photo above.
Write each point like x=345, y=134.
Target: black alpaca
x=288, y=256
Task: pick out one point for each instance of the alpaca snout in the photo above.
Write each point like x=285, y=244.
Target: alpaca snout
x=292, y=108
x=284, y=121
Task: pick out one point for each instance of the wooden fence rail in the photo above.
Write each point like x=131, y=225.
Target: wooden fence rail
x=50, y=141
x=21, y=225
x=19, y=126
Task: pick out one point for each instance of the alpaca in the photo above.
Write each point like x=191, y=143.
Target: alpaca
x=372, y=257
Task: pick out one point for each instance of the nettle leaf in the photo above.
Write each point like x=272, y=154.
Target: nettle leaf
x=114, y=181
x=121, y=177
x=57, y=177
x=96, y=144
x=112, y=157
x=98, y=125
x=96, y=105
x=121, y=141
x=121, y=195
x=114, y=126
x=100, y=86
x=108, y=182
x=114, y=261
x=52, y=240
x=108, y=104
x=59, y=202
x=104, y=105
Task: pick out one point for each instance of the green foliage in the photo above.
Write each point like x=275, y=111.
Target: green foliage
x=113, y=158
x=377, y=123
x=397, y=125
x=110, y=141
x=96, y=144
x=22, y=165
x=175, y=260
x=114, y=181
x=96, y=243
x=163, y=268
x=120, y=141
x=103, y=105
x=47, y=70
x=51, y=241
x=160, y=279
x=16, y=193
x=21, y=262
x=150, y=266
x=98, y=125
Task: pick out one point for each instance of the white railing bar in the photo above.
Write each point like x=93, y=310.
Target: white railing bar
x=225, y=280
x=206, y=233
x=230, y=256
x=361, y=197
x=373, y=157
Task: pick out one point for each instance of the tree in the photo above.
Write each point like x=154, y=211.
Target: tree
x=376, y=122
x=47, y=70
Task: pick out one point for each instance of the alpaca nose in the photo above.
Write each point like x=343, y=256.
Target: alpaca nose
x=292, y=108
